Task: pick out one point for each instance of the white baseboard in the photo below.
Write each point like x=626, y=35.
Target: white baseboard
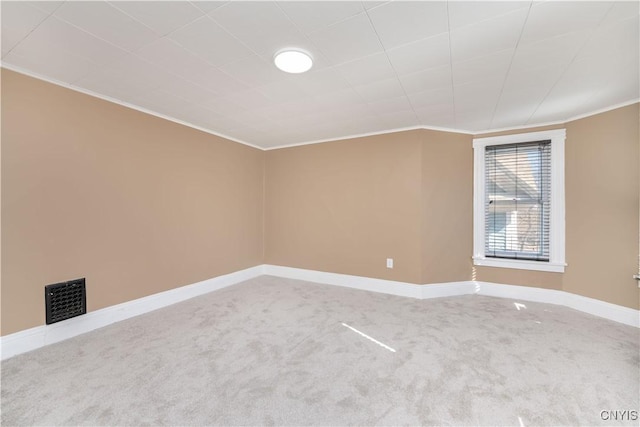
x=357, y=282
x=449, y=289
x=596, y=307
x=599, y=308
x=31, y=339
x=614, y=312
x=526, y=293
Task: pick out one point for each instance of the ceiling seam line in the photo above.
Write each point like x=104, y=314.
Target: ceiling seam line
x=395, y=72
x=107, y=64
x=252, y=87
x=331, y=65
x=311, y=43
x=333, y=24
x=218, y=67
x=506, y=76
x=195, y=4
x=162, y=36
x=113, y=5
x=306, y=36
x=36, y=27
x=571, y=62
x=136, y=51
x=94, y=35
x=211, y=18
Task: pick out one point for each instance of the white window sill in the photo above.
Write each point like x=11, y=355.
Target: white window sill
x=520, y=264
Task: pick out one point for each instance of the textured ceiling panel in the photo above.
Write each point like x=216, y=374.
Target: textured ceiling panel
x=378, y=66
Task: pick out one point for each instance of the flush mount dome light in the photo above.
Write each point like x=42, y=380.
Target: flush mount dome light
x=293, y=61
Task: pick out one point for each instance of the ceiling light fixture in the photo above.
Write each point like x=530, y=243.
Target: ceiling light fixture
x=293, y=61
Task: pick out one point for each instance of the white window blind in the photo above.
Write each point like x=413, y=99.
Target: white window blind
x=518, y=201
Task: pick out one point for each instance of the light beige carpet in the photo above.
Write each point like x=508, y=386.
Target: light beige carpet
x=285, y=352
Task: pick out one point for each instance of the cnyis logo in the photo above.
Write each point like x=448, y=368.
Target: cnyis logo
x=607, y=415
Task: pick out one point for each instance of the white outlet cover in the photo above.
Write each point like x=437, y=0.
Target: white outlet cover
x=389, y=262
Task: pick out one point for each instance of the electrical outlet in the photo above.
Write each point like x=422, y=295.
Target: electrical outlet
x=389, y=262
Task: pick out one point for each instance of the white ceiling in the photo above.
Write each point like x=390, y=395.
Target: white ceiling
x=379, y=66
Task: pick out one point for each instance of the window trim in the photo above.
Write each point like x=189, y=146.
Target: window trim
x=556, y=261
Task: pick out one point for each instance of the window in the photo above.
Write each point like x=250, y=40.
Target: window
x=519, y=201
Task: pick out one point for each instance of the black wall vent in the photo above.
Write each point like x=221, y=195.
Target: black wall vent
x=65, y=300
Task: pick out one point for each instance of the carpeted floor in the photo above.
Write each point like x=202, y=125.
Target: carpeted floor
x=274, y=351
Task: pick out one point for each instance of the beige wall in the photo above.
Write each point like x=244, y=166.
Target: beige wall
x=447, y=201
x=602, y=182
x=602, y=215
x=344, y=207
x=134, y=203
x=138, y=205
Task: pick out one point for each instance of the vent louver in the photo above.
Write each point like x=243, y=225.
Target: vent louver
x=65, y=300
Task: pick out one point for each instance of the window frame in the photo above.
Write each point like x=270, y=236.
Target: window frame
x=556, y=261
